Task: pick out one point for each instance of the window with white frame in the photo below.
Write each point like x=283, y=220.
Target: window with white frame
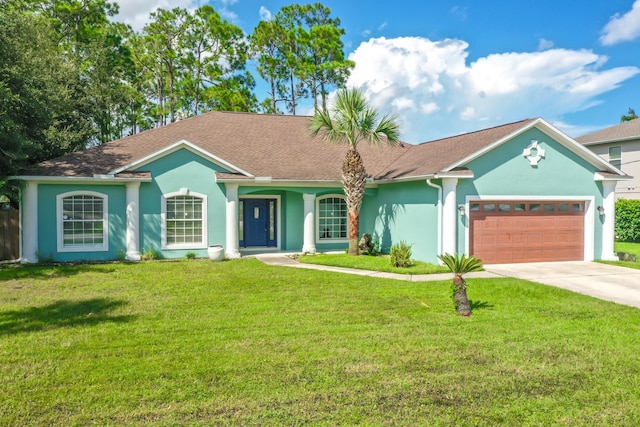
x=332, y=218
x=615, y=156
x=82, y=222
x=184, y=224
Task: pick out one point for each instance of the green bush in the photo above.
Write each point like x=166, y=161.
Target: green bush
x=150, y=255
x=628, y=220
x=191, y=255
x=400, y=254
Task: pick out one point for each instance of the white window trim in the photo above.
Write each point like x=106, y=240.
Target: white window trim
x=60, y=224
x=618, y=159
x=205, y=220
x=318, y=234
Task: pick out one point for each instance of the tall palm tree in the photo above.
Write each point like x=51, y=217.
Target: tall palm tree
x=459, y=265
x=350, y=119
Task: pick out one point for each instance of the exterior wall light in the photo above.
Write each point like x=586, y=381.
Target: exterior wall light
x=600, y=210
x=461, y=210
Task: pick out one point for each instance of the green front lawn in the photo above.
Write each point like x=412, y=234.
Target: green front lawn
x=242, y=343
x=632, y=248
x=374, y=263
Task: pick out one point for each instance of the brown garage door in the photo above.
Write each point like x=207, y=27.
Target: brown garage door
x=508, y=232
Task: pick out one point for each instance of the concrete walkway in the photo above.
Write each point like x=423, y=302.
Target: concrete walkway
x=607, y=282
x=286, y=261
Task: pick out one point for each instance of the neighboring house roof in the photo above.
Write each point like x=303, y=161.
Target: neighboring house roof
x=258, y=147
x=622, y=132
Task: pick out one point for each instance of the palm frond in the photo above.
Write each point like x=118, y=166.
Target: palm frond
x=460, y=264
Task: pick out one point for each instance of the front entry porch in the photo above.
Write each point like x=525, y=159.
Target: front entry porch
x=258, y=223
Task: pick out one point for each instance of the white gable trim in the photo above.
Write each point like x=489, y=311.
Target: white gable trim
x=556, y=134
x=175, y=147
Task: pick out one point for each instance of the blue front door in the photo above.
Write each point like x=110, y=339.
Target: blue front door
x=259, y=222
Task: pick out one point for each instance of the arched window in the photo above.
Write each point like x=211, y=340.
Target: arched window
x=184, y=220
x=332, y=218
x=82, y=222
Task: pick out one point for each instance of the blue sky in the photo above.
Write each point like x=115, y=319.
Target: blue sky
x=449, y=67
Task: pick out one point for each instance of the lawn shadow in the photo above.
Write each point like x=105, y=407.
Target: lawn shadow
x=61, y=314
x=478, y=305
x=55, y=270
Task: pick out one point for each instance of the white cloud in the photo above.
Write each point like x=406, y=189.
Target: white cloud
x=544, y=44
x=136, y=13
x=436, y=93
x=383, y=26
x=622, y=28
x=265, y=14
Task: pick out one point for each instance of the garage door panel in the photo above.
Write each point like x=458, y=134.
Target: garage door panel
x=533, y=235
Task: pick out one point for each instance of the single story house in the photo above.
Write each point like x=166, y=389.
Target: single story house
x=520, y=192
x=620, y=145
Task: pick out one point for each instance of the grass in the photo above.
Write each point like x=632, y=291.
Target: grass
x=629, y=247
x=241, y=343
x=374, y=263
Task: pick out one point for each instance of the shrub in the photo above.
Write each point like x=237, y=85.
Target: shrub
x=400, y=254
x=121, y=255
x=150, y=255
x=627, y=220
x=368, y=246
x=191, y=255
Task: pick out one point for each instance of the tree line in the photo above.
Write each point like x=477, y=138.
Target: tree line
x=72, y=77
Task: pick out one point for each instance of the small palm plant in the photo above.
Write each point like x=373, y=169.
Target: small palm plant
x=460, y=264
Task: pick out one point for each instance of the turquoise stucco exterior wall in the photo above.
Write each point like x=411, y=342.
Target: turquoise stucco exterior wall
x=506, y=172
x=406, y=211
x=47, y=222
x=171, y=173
x=391, y=212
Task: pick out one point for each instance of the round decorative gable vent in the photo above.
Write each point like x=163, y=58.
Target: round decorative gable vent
x=534, y=153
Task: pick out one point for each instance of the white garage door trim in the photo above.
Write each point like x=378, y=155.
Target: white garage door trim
x=589, y=216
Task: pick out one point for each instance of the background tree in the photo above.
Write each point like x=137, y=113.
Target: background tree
x=351, y=120
x=631, y=115
x=265, y=47
x=214, y=54
x=43, y=106
x=324, y=66
x=301, y=54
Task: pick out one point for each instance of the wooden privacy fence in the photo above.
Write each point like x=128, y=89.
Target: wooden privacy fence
x=9, y=235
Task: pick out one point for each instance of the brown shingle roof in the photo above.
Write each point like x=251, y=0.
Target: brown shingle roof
x=276, y=146
x=433, y=157
x=626, y=130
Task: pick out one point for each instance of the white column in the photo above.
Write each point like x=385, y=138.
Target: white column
x=133, y=221
x=232, y=250
x=29, y=212
x=449, y=215
x=608, y=220
x=309, y=239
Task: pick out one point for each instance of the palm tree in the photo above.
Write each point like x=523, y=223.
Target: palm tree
x=351, y=120
x=459, y=265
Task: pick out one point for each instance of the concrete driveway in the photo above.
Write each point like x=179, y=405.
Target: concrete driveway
x=607, y=282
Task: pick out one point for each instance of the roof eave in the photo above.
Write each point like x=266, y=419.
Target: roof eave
x=611, y=141
x=598, y=176
x=96, y=179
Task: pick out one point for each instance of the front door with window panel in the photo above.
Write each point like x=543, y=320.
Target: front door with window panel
x=258, y=222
